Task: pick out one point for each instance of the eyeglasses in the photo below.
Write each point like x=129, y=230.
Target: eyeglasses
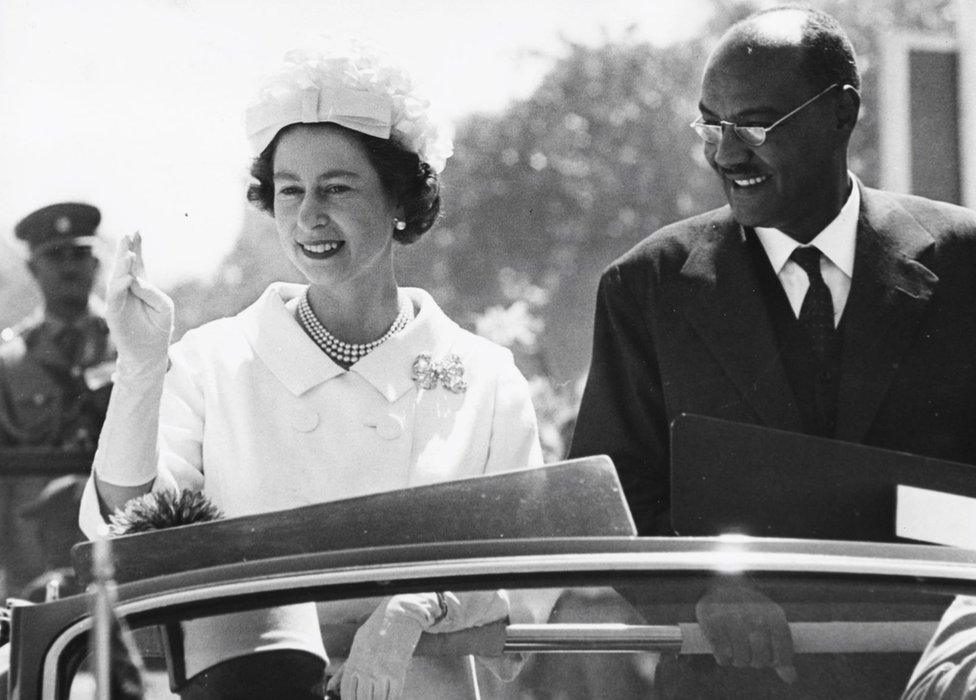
x=750, y=135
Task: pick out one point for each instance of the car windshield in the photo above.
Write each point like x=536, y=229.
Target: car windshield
x=611, y=628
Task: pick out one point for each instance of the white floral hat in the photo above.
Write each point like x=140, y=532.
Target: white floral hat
x=360, y=89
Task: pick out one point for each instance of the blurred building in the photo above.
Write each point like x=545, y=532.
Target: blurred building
x=927, y=111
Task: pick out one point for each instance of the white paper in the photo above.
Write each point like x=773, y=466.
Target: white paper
x=935, y=516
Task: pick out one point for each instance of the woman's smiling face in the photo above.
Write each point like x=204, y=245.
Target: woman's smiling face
x=333, y=215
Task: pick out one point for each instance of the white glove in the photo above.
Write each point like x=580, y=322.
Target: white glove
x=384, y=645
x=461, y=611
x=139, y=314
x=140, y=319
x=382, y=648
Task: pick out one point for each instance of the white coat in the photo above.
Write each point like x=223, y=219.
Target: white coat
x=254, y=410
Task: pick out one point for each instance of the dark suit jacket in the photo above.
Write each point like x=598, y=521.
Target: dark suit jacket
x=681, y=328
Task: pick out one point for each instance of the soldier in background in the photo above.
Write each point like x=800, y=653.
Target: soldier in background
x=55, y=371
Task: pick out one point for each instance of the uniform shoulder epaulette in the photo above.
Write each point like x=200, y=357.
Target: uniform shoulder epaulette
x=8, y=334
x=19, y=329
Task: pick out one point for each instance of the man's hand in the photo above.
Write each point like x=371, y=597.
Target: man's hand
x=746, y=629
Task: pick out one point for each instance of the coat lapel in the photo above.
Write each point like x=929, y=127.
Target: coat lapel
x=726, y=308
x=889, y=293
x=389, y=368
x=277, y=338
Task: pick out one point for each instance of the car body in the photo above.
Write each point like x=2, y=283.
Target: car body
x=616, y=614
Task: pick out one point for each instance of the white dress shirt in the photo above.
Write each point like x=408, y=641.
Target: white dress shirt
x=836, y=243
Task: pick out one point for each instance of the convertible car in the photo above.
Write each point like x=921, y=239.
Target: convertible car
x=615, y=615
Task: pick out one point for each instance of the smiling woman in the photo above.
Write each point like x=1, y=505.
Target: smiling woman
x=336, y=223
x=346, y=386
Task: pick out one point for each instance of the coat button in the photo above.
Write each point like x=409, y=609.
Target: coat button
x=389, y=427
x=305, y=421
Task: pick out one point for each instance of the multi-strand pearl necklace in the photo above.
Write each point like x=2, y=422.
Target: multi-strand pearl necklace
x=341, y=352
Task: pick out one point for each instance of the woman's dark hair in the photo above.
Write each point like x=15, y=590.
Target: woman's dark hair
x=413, y=185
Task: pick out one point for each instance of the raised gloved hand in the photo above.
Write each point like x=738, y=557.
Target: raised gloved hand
x=140, y=319
x=139, y=314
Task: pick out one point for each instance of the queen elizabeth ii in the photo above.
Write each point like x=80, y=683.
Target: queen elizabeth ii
x=344, y=386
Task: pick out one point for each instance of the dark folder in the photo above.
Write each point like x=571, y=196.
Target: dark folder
x=731, y=477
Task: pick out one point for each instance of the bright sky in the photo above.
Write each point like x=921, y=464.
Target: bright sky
x=135, y=105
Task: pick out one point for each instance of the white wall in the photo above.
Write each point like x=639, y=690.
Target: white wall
x=965, y=33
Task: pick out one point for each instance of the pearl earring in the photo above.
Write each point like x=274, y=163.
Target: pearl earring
x=399, y=225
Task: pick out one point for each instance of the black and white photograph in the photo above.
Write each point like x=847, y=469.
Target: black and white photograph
x=540, y=350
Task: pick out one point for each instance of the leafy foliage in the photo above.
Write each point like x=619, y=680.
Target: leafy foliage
x=546, y=194
x=541, y=198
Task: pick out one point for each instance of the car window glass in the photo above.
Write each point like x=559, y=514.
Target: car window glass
x=637, y=636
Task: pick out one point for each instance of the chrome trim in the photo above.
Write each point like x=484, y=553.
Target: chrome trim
x=687, y=638
x=586, y=638
x=731, y=557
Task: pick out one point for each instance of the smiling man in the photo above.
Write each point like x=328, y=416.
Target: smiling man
x=811, y=303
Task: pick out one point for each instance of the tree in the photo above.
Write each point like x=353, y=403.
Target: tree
x=542, y=197
x=539, y=199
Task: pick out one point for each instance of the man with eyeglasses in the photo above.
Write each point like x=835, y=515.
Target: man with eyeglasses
x=811, y=303
x=55, y=370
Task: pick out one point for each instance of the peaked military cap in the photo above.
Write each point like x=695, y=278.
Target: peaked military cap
x=62, y=224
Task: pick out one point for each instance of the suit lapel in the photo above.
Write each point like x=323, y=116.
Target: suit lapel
x=726, y=308
x=890, y=290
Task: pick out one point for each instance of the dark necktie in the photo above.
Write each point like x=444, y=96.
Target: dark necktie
x=70, y=342
x=817, y=311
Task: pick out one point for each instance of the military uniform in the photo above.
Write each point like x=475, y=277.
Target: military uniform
x=55, y=380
